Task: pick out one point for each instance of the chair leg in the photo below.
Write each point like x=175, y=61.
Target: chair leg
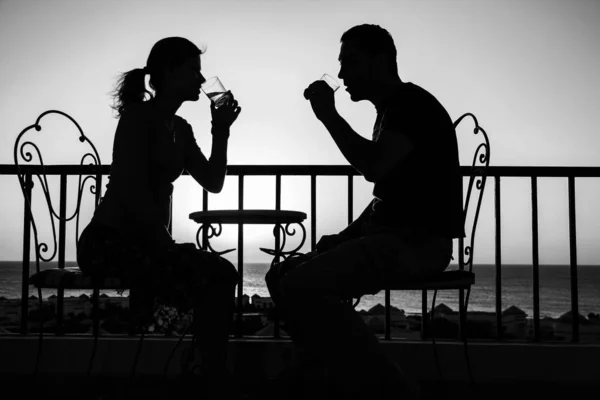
x=96, y=312
x=60, y=311
x=464, y=333
x=388, y=318
x=424, y=313
x=431, y=321
x=462, y=315
x=95, y=328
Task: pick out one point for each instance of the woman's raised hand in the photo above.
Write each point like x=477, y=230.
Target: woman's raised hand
x=225, y=115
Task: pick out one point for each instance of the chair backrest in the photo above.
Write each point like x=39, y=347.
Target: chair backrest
x=30, y=165
x=474, y=195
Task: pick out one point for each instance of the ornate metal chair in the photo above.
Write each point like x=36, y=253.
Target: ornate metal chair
x=463, y=278
x=51, y=247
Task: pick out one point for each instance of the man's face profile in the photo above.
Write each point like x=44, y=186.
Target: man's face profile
x=356, y=70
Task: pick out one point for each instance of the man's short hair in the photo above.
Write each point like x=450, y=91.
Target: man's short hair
x=373, y=40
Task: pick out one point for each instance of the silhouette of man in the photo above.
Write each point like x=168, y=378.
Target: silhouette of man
x=405, y=232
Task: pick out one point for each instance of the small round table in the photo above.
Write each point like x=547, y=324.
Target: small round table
x=211, y=226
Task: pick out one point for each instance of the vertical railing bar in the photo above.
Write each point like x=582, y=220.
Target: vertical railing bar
x=498, y=260
x=424, y=313
x=62, y=213
x=170, y=224
x=98, y=188
x=388, y=319
x=276, y=333
x=461, y=241
x=535, y=259
x=573, y=257
x=26, y=255
x=461, y=266
x=350, y=198
x=313, y=212
x=240, y=251
x=62, y=221
x=278, y=192
x=205, y=208
x=462, y=312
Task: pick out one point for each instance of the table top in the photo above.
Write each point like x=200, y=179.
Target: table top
x=248, y=216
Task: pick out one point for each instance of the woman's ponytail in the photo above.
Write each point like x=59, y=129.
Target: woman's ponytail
x=131, y=88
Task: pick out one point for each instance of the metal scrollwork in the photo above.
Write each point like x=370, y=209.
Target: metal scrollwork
x=481, y=160
x=285, y=232
x=26, y=168
x=211, y=232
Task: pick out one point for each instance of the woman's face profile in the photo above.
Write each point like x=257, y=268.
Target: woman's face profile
x=186, y=79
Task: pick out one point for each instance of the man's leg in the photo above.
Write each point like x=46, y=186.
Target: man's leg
x=329, y=329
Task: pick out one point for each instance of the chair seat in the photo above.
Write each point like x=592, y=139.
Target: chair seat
x=453, y=279
x=73, y=278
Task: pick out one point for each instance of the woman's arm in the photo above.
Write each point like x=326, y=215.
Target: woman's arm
x=131, y=177
x=210, y=174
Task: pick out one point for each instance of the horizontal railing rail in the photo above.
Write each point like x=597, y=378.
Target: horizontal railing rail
x=314, y=171
x=329, y=170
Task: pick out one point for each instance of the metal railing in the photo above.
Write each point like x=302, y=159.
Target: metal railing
x=313, y=171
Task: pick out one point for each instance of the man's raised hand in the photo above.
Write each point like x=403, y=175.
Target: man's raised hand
x=321, y=98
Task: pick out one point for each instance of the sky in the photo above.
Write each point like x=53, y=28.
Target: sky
x=527, y=69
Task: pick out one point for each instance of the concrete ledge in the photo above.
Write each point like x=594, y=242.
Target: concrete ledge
x=266, y=358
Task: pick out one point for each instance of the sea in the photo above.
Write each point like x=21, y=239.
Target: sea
x=516, y=288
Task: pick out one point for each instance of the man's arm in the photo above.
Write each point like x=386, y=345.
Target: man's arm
x=372, y=159
x=359, y=152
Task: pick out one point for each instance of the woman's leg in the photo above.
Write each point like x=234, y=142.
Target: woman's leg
x=213, y=313
x=212, y=323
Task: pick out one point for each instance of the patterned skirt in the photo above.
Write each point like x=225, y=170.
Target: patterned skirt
x=164, y=285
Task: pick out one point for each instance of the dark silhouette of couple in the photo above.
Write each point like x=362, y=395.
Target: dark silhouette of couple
x=405, y=232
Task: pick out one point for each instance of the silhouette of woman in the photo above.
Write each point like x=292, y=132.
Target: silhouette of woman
x=128, y=233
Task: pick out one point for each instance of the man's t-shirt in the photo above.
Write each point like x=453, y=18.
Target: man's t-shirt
x=422, y=193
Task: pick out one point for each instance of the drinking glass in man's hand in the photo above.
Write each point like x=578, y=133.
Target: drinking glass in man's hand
x=215, y=91
x=330, y=81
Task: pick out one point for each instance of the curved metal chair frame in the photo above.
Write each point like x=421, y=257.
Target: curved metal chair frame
x=26, y=154
x=462, y=278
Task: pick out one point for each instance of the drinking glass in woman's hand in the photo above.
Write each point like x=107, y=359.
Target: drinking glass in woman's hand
x=225, y=115
x=215, y=91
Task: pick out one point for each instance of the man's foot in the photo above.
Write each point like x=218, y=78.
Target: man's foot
x=396, y=385
x=303, y=381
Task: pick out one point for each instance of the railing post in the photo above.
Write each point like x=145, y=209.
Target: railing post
x=276, y=333
x=424, y=316
x=313, y=212
x=240, y=250
x=499, y=325
x=535, y=259
x=28, y=184
x=350, y=198
x=388, y=319
x=573, y=254
x=205, y=231
x=462, y=315
x=62, y=213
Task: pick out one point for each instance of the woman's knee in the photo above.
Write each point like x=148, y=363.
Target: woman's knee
x=291, y=287
x=227, y=272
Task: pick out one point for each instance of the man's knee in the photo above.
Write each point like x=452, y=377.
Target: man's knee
x=278, y=271
x=293, y=285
